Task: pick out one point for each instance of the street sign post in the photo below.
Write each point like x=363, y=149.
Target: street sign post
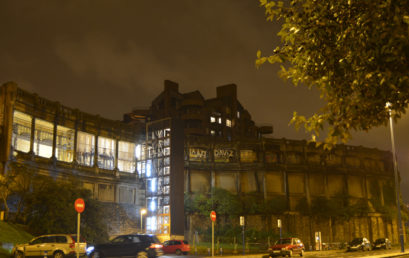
x=242, y=224
x=213, y=218
x=79, y=205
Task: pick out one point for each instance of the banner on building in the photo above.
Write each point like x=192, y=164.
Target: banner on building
x=198, y=154
x=223, y=155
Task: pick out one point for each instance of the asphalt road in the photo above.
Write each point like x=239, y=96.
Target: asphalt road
x=394, y=252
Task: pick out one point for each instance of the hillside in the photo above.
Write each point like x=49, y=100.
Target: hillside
x=11, y=234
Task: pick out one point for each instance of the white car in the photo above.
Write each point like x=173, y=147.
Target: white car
x=56, y=245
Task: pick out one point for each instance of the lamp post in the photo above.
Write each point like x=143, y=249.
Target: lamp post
x=395, y=168
x=143, y=211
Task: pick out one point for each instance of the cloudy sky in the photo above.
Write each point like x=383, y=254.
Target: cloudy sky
x=107, y=57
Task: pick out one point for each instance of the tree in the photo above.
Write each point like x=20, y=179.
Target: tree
x=57, y=214
x=356, y=53
x=6, y=183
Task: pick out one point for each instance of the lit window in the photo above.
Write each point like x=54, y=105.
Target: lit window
x=166, y=180
x=148, y=172
x=166, y=170
x=219, y=120
x=212, y=119
x=85, y=148
x=167, y=132
x=153, y=185
x=106, y=153
x=138, y=151
x=126, y=160
x=228, y=122
x=151, y=223
x=166, y=151
x=43, y=138
x=65, y=144
x=21, y=131
x=166, y=161
x=166, y=189
x=152, y=205
x=212, y=132
x=151, y=152
x=141, y=168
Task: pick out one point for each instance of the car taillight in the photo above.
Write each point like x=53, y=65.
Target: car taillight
x=72, y=245
x=156, y=246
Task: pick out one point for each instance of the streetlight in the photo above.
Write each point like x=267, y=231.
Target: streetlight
x=143, y=211
x=395, y=168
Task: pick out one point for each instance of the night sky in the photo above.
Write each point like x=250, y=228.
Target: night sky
x=109, y=57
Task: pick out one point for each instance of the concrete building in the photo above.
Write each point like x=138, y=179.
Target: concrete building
x=223, y=148
x=59, y=141
x=186, y=144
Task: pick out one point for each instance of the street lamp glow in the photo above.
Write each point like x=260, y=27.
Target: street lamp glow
x=143, y=211
x=397, y=186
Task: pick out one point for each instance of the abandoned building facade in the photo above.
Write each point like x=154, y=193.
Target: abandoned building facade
x=186, y=144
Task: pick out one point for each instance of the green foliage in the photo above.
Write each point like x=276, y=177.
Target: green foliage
x=337, y=208
x=49, y=208
x=197, y=204
x=229, y=205
x=224, y=203
x=227, y=233
x=252, y=203
x=356, y=53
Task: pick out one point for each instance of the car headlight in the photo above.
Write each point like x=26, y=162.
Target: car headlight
x=89, y=249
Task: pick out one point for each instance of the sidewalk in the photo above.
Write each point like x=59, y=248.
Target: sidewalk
x=312, y=253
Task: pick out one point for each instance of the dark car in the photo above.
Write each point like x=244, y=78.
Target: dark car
x=176, y=247
x=136, y=245
x=382, y=243
x=359, y=244
x=287, y=246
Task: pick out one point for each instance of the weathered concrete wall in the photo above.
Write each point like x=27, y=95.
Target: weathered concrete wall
x=304, y=227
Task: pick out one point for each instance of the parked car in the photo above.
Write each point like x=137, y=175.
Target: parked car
x=287, y=246
x=382, y=243
x=136, y=245
x=176, y=247
x=360, y=243
x=56, y=245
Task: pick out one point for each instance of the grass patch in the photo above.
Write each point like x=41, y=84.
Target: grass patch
x=4, y=253
x=227, y=248
x=13, y=233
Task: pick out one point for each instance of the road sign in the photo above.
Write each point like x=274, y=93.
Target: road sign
x=241, y=220
x=79, y=205
x=213, y=216
x=279, y=223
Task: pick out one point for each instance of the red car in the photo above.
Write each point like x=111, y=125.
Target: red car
x=287, y=246
x=176, y=247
